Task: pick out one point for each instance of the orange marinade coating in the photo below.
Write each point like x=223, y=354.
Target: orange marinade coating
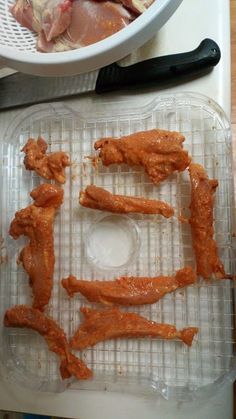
x=50, y=165
x=201, y=222
x=99, y=326
x=160, y=152
x=30, y=318
x=36, y=222
x=130, y=290
x=99, y=198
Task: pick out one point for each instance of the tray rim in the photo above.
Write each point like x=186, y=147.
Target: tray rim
x=168, y=392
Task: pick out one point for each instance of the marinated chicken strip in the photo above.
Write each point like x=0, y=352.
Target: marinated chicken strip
x=160, y=152
x=49, y=166
x=27, y=317
x=50, y=17
x=201, y=222
x=99, y=198
x=130, y=290
x=36, y=222
x=99, y=326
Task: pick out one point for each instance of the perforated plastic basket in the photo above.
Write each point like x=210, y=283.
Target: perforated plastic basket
x=135, y=365
x=18, y=44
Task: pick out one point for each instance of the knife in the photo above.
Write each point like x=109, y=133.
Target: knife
x=21, y=89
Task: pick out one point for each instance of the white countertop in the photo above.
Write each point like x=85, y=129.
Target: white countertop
x=194, y=21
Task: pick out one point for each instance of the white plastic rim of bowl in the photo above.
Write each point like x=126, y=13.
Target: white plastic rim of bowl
x=96, y=55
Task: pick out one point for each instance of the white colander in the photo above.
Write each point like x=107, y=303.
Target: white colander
x=17, y=44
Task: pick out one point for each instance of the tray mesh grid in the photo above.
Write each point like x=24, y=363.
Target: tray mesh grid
x=165, y=245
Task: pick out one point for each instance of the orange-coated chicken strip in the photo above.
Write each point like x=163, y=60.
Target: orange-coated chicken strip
x=49, y=166
x=30, y=318
x=36, y=222
x=160, y=152
x=130, y=290
x=99, y=198
x=201, y=222
x=99, y=326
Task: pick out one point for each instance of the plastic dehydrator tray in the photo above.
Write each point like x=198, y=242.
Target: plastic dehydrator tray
x=161, y=246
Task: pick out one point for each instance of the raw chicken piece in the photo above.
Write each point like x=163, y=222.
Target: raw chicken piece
x=51, y=17
x=130, y=290
x=36, y=222
x=30, y=318
x=49, y=166
x=22, y=11
x=201, y=222
x=160, y=152
x=99, y=326
x=99, y=198
x=137, y=6
x=91, y=22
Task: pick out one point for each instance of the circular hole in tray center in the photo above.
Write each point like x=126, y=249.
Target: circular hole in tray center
x=112, y=241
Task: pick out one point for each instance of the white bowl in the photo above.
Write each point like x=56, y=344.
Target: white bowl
x=93, y=56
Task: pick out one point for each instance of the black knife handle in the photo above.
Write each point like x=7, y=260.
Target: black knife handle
x=157, y=71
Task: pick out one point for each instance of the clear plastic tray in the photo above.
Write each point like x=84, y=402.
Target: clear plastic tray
x=143, y=365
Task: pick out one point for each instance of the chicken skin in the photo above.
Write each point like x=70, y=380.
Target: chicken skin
x=137, y=6
x=27, y=317
x=160, y=152
x=49, y=166
x=99, y=326
x=130, y=290
x=99, y=198
x=201, y=222
x=36, y=222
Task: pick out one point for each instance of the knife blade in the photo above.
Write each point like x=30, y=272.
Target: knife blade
x=21, y=89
